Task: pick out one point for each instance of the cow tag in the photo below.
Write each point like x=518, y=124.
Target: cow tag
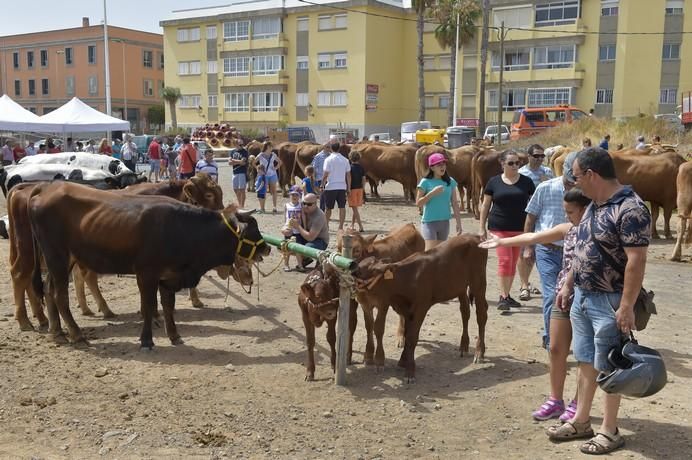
x=388, y=275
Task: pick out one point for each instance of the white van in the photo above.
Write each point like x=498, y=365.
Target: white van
x=381, y=137
x=409, y=128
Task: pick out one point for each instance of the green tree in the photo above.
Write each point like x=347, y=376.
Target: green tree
x=172, y=95
x=156, y=115
x=446, y=13
x=421, y=7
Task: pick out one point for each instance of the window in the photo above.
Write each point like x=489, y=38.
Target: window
x=236, y=67
x=674, y=6
x=190, y=101
x=428, y=62
x=15, y=60
x=148, y=87
x=339, y=98
x=557, y=13
x=188, y=35
x=324, y=61
x=324, y=23
x=266, y=102
x=17, y=87
x=148, y=58
x=30, y=59
x=332, y=98
x=443, y=102
x=44, y=86
x=340, y=60
x=302, y=100
x=302, y=63
x=671, y=51
x=547, y=97
x=668, y=96
x=266, y=27
x=513, y=17
x=340, y=21
x=517, y=59
x=429, y=101
x=303, y=24
x=553, y=57
x=68, y=56
x=514, y=99
x=324, y=98
x=69, y=86
x=606, y=53
x=213, y=100
x=604, y=96
x=189, y=68
x=32, y=87
x=212, y=67
x=236, y=31
x=609, y=7
x=91, y=54
x=44, y=58
x=93, y=85
x=444, y=63
x=237, y=102
x=267, y=65
x=211, y=32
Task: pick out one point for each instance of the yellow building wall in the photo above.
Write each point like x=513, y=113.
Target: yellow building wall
x=686, y=56
x=587, y=56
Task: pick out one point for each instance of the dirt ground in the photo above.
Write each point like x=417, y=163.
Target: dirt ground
x=235, y=388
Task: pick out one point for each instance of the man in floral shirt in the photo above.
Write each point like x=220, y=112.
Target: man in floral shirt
x=608, y=269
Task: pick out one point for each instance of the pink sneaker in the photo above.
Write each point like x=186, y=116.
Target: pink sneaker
x=552, y=408
x=569, y=412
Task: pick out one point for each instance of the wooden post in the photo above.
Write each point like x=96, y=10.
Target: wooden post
x=342, y=322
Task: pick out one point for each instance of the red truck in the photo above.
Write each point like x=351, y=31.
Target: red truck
x=687, y=109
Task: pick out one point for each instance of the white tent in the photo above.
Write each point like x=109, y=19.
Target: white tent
x=76, y=116
x=14, y=117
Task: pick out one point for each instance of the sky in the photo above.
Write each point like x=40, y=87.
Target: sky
x=43, y=15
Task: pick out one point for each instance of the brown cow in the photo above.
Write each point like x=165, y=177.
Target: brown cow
x=254, y=148
x=396, y=245
x=395, y=162
x=74, y=223
x=455, y=268
x=319, y=302
x=684, y=205
x=653, y=178
x=289, y=167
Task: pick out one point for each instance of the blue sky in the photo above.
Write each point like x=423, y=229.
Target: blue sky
x=39, y=15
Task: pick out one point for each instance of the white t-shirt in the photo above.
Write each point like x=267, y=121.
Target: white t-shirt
x=268, y=163
x=337, y=166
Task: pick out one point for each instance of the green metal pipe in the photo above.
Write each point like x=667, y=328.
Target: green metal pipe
x=339, y=261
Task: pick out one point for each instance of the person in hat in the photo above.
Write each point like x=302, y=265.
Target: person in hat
x=437, y=195
x=293, y=210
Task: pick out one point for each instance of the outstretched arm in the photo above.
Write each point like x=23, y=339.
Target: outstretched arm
x=547, y=236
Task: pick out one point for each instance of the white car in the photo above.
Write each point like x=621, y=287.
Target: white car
x=491, y=132
x=381, y=137
x=86, y=168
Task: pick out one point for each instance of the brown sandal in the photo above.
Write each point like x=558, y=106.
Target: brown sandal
x=570, y=430
x=603, y=444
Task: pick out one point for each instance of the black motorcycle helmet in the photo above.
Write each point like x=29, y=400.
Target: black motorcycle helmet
x=638, y=371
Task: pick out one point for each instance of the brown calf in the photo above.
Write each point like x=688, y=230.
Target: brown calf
x=684, y=205
x=455, y=268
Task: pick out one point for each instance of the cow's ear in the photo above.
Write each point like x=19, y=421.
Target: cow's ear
x=307, y=290
x=230, y=210
x=370, y=239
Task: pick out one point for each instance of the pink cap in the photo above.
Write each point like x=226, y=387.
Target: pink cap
x=436, y=159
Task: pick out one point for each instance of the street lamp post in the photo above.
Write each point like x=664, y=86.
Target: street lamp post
x=123, y=44
x=107, y=65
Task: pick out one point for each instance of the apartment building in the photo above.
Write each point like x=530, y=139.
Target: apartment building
x=43, y=70
x=351, y=64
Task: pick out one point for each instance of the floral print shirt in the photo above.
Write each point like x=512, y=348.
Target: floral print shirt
x=567, y=255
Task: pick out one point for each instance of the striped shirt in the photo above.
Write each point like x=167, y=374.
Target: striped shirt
x=539, y=175
x=208, y=167
x=318, y=164
x=546, y=205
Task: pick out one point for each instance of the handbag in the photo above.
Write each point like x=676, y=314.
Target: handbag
x=644, y=306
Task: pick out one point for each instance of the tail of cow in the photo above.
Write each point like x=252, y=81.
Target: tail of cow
x=36, y=279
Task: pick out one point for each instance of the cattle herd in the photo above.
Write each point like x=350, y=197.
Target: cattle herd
x=169, y=234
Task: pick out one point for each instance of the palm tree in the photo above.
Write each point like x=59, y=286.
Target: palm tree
x=484, y=61
x=172, y=96
x=446, y=13
x=421, y=6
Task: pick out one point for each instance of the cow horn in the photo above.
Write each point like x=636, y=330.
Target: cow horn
x=245, y=212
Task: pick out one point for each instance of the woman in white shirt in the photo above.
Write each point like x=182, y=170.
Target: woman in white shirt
x=272, y=164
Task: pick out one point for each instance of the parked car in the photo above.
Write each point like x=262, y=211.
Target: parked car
x=381, y=137
x=491, y=132
x=528, y=122
x=201, y=147
x=671, y=119
x=300, y=134
x=142, y=142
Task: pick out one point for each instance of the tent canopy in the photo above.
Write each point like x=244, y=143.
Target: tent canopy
x=76, y=116
x=14, y=117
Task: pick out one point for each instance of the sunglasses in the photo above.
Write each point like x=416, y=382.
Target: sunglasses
x=538, y=156
x=308, y=204
x=512, y=163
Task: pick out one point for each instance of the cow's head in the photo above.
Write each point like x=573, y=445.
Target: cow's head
x=125, y=180
x=241, y=271
x=322, y=299
x=361, y=246
x=203, y=191
x=251, y=245
x=371, y=270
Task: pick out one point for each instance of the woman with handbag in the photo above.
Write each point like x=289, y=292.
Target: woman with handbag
x=188, y=159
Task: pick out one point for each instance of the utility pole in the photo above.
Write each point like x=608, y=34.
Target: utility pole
x=456, y=76
x=107, y=66
x=484, y=59
x=502, y=34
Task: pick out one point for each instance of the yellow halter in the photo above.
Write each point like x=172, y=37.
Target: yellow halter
x=236, y=231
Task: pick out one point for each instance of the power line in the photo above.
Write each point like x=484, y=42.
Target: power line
x=523, y=29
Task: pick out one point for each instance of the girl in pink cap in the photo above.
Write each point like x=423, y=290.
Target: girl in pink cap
x=437, y=195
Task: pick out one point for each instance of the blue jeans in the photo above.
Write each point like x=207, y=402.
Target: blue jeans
x=548, y=264
x=594, y=328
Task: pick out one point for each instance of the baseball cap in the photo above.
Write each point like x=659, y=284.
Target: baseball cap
x=436, y=159
x=295, y=190
x=567, y=172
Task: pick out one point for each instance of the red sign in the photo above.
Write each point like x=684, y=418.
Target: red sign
x=372, y=89
x=470, y=122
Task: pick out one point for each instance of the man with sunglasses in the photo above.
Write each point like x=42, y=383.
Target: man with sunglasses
x=313, y=228
x=538, y=173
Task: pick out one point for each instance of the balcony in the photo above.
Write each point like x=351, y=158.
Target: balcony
x=576, y=72
x=280, y=78
x=254, y=117
x=540, y=34
x=279, y=41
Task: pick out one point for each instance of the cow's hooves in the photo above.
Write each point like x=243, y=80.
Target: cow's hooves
x=197, y=304
x=60, y=338
x=177, y=341
x=87, y=313
x=109, y=315
x=309, y=378
x=410, y=380
x=379, y=369
x=43, y=327
x=674, y=259
x=146, y=348
x=81, y=343
x=26, y=327
x=369, y=362
x=401, y=363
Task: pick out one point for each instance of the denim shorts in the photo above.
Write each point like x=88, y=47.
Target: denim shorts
x=437, y=230
x=239, y=181
x=272, y=179
x=594, y=328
